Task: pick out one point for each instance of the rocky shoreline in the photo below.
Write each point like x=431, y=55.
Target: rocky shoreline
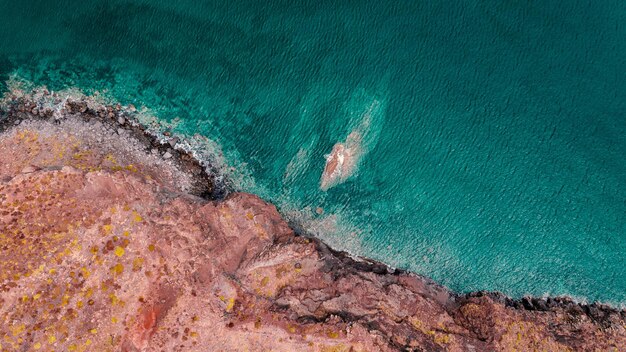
x=211, y=269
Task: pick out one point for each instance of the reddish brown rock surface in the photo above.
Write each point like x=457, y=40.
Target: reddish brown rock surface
x=102, y=248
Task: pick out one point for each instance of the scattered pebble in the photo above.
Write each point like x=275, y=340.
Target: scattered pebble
x=167, y=155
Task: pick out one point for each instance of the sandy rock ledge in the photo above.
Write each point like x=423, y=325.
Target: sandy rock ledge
x=107, y=245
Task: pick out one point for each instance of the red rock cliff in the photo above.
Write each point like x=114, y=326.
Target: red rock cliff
x=104, y=247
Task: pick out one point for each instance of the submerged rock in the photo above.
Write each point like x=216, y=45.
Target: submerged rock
x=103, y=248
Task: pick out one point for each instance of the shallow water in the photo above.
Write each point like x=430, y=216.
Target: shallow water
x=494, y=161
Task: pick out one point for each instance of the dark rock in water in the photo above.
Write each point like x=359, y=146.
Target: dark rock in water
x=540, y=304
x=173, y=141
x=527, y=303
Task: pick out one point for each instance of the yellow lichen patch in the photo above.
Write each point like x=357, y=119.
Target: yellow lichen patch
x=114, y=299
x=85, y=272
x=230, y=304
x=151, y=247
x=76, y=156
x=119, y=251
x=110, y=158
x=18, y=329
x=249, y=215
x=136, y=217
x=419, y=326
x=107, y=229
x=28, y=136
x=264, y=281
x=526, y=336
x=332, y=334
x=137, y=263
x=117, y=269
x=442, y=339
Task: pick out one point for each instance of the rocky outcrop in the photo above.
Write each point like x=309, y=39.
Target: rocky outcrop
x=106, y=245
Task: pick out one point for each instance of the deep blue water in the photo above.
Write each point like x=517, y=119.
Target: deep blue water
x=495, y=158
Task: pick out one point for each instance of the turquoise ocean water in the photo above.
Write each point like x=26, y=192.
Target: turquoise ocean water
x=494, y=157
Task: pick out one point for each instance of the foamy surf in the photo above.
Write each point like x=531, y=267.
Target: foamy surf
x=226, y=175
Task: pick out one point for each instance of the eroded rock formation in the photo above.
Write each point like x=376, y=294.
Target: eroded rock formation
x=106, y=245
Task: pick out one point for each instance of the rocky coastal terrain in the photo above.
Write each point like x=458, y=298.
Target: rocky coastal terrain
x=114, y=237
